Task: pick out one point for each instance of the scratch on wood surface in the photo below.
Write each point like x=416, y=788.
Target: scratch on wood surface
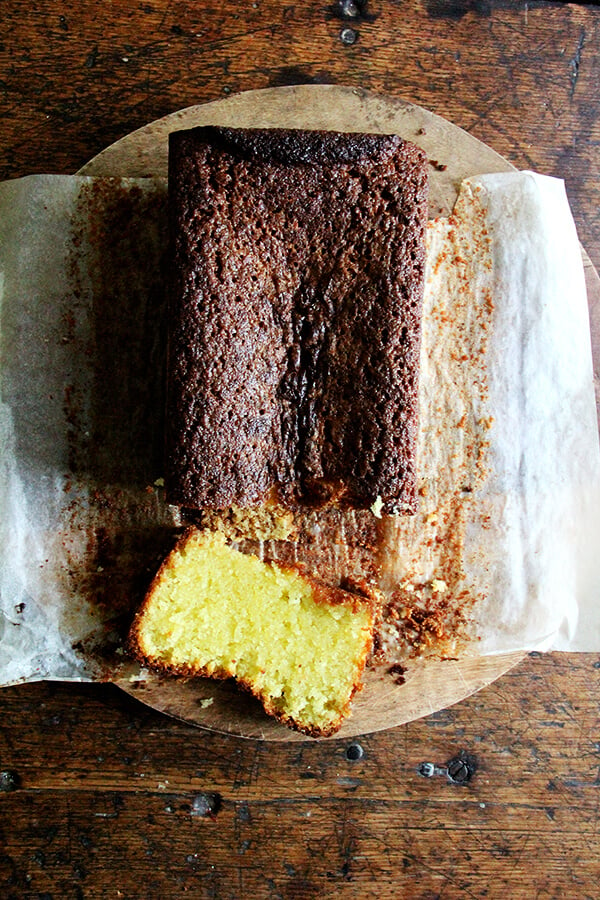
x=69, y=837
x=575, y=62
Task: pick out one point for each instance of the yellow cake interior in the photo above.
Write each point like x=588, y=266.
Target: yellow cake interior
x=215, y=611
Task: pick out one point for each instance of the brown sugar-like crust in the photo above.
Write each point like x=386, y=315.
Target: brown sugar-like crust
x=297, y=261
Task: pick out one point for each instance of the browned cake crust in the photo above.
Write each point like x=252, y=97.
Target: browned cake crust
x=298, y=262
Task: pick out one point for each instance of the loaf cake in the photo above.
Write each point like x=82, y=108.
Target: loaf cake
x=297, y=645
x=297, y=265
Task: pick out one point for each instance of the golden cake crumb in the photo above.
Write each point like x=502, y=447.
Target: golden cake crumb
x=296, y=644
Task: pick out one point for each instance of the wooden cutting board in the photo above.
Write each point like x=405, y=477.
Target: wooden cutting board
x=429, y=685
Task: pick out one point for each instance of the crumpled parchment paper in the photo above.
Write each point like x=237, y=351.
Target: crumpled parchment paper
x=541, y=572
x=535, y=562
x=83, y=521
x=82, y=319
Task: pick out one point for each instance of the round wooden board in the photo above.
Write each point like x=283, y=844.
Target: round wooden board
x=455, y=155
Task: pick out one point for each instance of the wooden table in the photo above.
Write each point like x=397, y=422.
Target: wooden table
x=102, y=797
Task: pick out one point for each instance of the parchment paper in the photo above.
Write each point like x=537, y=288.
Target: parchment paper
x=82, y=350
x=539, y=569
x=533, y=561
x=83, y=522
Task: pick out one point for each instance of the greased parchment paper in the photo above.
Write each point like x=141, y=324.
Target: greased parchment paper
x=82, y=320
x=507, y=386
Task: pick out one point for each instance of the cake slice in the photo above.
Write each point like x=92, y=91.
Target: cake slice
x=297, y=262
x=296, y=644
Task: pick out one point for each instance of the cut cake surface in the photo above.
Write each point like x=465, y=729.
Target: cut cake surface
x=297, y=276
x=297, y=645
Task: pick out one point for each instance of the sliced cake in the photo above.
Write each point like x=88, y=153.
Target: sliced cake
x=297, y=645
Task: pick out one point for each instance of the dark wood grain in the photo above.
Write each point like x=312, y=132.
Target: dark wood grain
x=109, y=796
x=112, y=792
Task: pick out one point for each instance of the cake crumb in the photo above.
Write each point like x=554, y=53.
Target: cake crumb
x=142, y=675
x=377, y=507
